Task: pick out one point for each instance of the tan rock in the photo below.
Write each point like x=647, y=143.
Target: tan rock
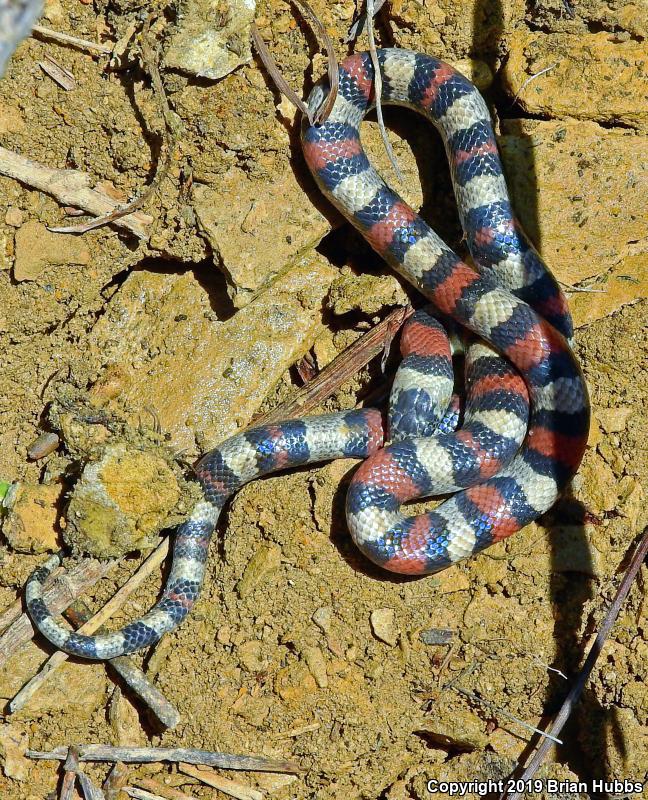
x=13, y=746
x=251, y=655
x=614, y=420
x=366, y=293
x=121, y=502
x=211, y=40
x=594, y=76
x=383, y=625
x=38, y=248
x=600, y=487
x=31, y=524
x=11, y=119
x=581, y=194
x=254, y=228
x=202, y=377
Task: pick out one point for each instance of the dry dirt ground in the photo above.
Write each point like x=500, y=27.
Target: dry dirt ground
x=143, y=352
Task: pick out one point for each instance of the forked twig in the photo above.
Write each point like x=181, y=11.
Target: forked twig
x=71, y=187
x=322, y=113
x=567, y=707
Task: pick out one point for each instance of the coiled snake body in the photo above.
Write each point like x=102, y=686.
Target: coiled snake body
x=524, y=430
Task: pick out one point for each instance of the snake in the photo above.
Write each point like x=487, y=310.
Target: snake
x=504, y=460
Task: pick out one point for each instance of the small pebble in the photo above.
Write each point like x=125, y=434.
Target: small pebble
x=382, y=625
x=316, y=665
x=436, y=636
x=322, y=618
x=14, y=217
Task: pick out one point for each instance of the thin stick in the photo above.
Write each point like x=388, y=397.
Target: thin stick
x=134, y=677
x=567, y=707
x=161, y=789
x=232, y=788
x=502, y=712
x=70, y=187
x=360, y=23
x=71, y=767
x=150, y=755
x=371, y=12
x=63, y=589
x=150, y=62
x=142, y=794
x=65, y=38
x=342, y=368
x=322, y=113
x=116, y=602
x=115, y=781
x=90, y=791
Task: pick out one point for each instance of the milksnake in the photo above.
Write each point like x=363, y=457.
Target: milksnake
x=520, y=371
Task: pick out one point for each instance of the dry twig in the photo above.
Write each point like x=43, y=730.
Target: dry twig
x=133, y=676
x=638, y=558
x=322, y=113
x=503, y=713
x=150, y=755
x=150, y=61
x=65, y=38
x=62, y=589
x=151, y=563
x=229, y=787
x=159, y=790
x=115, y=781
x=70, y=187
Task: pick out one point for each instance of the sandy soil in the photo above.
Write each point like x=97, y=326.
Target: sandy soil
x=142, y=353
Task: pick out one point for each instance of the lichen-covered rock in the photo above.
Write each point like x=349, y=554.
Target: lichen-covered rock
x=365, y=293
x=595, y=77
x=121, y=502
x=212, y=39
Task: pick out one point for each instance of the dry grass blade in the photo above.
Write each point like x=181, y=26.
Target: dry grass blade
x=150, y=61
x=638, y=558
x=342, y=368
x=360, y=23
x=322, y=113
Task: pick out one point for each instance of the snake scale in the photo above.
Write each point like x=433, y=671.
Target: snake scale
x=527, y=413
